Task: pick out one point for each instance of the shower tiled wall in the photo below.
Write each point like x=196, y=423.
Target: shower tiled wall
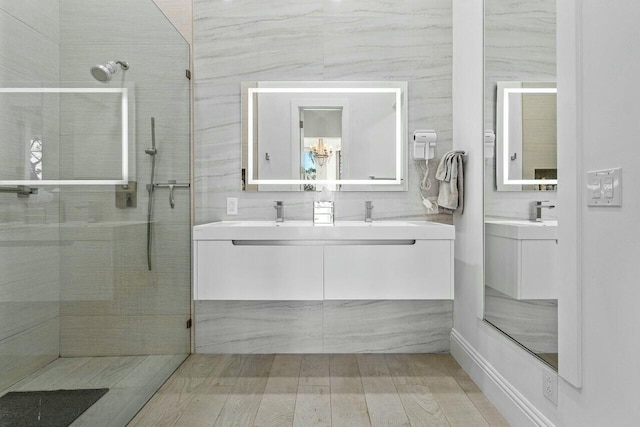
x=315, y=40
x=29, y=251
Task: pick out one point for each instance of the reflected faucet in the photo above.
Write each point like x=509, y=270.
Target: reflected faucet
x=538, y=205
x=279, y=207
x=368, y=208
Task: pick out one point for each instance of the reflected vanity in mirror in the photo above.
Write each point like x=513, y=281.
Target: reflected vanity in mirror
x=303, y=136
x=521, y=283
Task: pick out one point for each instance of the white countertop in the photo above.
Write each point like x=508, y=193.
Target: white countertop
x=522, y=229
x=341, y=230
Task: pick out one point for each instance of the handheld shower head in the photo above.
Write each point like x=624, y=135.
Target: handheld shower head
x=104, y=72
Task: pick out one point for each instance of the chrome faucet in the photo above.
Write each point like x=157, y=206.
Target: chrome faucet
x=538, y=205
x=368, y=207
x=279, y=207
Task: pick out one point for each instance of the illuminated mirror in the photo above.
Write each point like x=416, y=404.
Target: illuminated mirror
x=526, y=137
x=303, y=136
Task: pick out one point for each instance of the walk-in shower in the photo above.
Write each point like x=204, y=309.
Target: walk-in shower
x=80, y=312
x=104, y=72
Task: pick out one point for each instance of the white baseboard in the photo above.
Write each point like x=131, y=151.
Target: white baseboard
x=513, y=405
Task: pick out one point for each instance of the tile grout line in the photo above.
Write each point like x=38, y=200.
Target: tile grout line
x=295, y=402
x=262, y=393
x=435, y=395
x=472, y=401
x=393, y=380
x=226, y=399
x=363, y=392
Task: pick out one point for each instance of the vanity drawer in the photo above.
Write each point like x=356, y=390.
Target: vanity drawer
x=225, y=271
x=423, y=270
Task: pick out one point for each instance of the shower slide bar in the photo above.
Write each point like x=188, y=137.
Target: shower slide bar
x=152, y=186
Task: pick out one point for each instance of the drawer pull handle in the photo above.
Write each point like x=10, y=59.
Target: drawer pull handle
x=336, y=242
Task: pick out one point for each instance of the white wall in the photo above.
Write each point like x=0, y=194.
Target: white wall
x=608, y=95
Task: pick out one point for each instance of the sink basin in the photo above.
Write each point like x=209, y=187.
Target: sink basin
x=522, y=229
x=305, y=230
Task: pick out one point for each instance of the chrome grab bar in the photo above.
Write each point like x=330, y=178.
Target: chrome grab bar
x=20, y=190
x=171, y=185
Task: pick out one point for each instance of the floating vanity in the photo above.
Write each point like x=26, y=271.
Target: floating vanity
x=295, y=260
x=521, y=258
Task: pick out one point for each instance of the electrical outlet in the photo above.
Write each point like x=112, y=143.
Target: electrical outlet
x=550, y=385
x=232, y=206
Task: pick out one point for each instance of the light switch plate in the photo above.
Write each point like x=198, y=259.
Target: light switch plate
x=604, y=187
x=232, y=206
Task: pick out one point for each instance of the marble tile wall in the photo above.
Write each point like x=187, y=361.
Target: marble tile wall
x=180, y=13
x=520, y=44
x=313, y=40
x=29, y=236
x=316, y=40
x=323, y=326
x=111, y=304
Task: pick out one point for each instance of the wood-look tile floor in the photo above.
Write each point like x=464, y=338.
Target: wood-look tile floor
x=319, y=390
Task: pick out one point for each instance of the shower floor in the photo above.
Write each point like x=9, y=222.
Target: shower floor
x=131, y=381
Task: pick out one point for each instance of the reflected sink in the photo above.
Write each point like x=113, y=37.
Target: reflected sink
x=522, y=229
x=305, y=230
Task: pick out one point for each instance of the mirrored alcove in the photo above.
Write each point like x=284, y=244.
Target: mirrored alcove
x=520, y=174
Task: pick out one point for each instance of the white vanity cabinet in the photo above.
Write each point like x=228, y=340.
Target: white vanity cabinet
x=297, y=261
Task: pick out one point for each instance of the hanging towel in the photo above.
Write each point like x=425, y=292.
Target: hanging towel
x=450, y=173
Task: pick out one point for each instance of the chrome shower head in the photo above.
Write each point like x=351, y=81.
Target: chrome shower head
x=104, y=72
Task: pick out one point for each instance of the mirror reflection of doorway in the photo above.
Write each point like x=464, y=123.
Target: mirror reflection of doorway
x=321, y=145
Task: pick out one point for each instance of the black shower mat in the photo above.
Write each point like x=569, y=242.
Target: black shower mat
x=46, y=408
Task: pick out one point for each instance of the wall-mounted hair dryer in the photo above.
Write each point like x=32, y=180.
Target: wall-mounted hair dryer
x=424, y=144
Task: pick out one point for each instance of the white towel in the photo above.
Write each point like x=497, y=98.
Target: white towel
x=450, y=173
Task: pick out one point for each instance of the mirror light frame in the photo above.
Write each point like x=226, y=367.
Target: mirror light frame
x=399, y=135
x=124, y=101
x=505, y=137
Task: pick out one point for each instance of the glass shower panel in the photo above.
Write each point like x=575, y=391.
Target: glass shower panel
x=74, y=279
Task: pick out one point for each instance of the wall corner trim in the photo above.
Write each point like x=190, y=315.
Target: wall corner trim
x=468, y=357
